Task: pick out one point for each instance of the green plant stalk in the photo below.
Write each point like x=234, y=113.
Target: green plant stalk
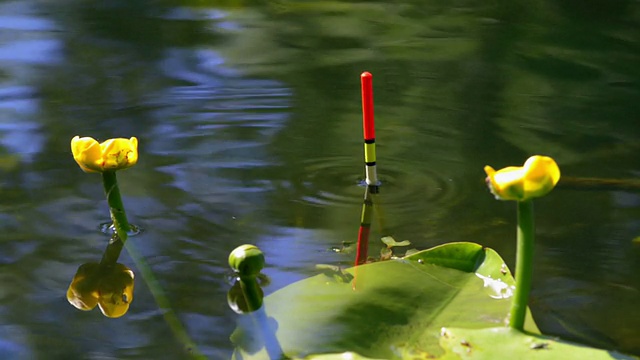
x=271, y=343
x=122, y=226
x=110, y=257
x=251, y=290
x=116, y=208
x=524, y=265
x=112, y=252
x=163, y=303
x=253, y=296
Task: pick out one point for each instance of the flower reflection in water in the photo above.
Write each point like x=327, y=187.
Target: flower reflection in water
x=108, y=283
x=108, y=286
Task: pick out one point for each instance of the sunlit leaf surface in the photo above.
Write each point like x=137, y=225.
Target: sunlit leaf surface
x=390, y=309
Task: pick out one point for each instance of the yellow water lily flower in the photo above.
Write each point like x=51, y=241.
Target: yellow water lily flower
x=538, y=176
x=110, y=287
x=110, y=155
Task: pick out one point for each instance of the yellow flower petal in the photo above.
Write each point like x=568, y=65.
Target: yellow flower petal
x=542, y=175
x=86, y=152
x=112, y=154
x=536, y=178
x=119, y=153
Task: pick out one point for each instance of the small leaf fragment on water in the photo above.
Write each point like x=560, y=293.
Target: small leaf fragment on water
x=391, y=242
x=403, y=243
x=388, y=240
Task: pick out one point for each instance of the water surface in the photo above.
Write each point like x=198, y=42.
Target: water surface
x=249, y=124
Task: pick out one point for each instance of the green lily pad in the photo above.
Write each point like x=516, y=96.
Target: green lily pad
x=494, y=343
x=344, y=356
x=390, y=309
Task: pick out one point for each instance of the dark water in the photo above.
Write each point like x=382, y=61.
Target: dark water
x=249, y=124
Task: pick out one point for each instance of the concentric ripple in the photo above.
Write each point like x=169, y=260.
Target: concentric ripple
x=107, y=228
x=338, y=181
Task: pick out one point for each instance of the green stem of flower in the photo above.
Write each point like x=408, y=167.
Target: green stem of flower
x=112, y=252
x=163, y=303
x=524, y=265
x=118, y=215
x=251, y=290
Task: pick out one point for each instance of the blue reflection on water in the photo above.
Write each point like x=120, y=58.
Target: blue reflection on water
x=41, y=51
x=21, y=138
x=14, y=343
x=26, y=42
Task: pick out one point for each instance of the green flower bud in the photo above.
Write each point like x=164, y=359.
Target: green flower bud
x=246, y=260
